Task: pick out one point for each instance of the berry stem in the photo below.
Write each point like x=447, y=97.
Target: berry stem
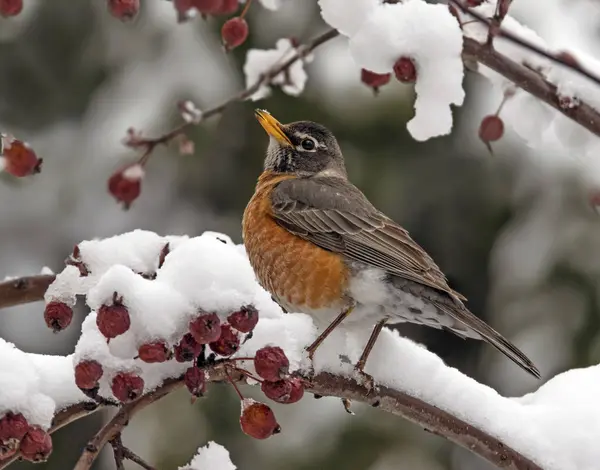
x=237, y=390
x=246, y=8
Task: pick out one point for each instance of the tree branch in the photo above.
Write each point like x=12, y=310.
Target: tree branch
x=301, y=52
x=387, y=399
x=532, y=82
x=24, y=289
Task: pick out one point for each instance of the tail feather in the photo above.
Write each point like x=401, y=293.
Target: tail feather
x=488, y=334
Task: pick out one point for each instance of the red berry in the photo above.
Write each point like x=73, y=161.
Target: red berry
x=491, y=128
x=126, y=184
x=228, y=7
x=195, y=381
x=405, y=70
x=13, y=428
x=374, y=80
x=87, y=374
x=234, y=32
x=206, y=328
x=124, y=10
x=127, y=386
x=228, y=343
x=271, y=363
x=10, y=7
x=284, y=391
x=188, y=349
x=19, y=159
x=58, y=315
x=154, y=352
x=208, y=7
x=257, y=420
x=245, y=319
x=474, y=3
x=36, y=446
x=113, y=320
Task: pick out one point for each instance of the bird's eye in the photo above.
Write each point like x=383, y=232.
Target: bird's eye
x=308, y=144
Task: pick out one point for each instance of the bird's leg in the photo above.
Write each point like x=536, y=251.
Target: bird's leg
x=334, y=324
x=360, y=365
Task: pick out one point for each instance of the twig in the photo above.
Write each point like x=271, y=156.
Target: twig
x=117, y=445
x=125, y=453
x=575, y=66
x=531, y=82
x=149, y=144
x=115, y=426
x=24, y=289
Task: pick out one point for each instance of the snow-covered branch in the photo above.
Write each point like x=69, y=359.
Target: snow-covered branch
x=165, y=303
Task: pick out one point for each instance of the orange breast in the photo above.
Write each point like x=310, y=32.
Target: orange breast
x=293, y=270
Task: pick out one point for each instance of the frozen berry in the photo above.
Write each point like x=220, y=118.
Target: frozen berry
x=234, y=32
x=58, y=315
x=284, y=391
x=271, y=363
x=10, y=7
x=127, y=386
x=405, y=70
x=13, y=428
x=195, y=381
x=113, y=320
x=154, y=352
x=374, y=80
x=87, y=374
x=206, y=328
x=126, y=184
x=188, y=349
x=491, y=128
x=474, y=3
x=19, y=158
x=124, y=10
x=228, y=7
x=258, y=420
x=245, y=319
x=36, y=446
x=228, y=343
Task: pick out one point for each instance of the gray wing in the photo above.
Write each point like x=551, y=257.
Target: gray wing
x=333, y=214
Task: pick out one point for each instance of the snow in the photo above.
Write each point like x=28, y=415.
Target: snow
x=259, y=61
x=347, y=19
x=380, y=34
x=35, y=385
x=556, y=426
x=213, y=456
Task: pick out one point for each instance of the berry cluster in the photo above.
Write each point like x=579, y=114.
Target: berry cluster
x=18, y=157
x=272, y=366
x=16, y=434
x=404, y=69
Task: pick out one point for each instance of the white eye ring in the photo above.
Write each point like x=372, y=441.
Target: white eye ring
x=308, y=144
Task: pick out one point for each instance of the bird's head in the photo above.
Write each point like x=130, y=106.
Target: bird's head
x=303, y=148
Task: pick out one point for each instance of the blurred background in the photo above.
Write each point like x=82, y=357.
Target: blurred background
x=513, y=231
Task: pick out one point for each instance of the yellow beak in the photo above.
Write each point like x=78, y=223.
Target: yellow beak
x=273, y=127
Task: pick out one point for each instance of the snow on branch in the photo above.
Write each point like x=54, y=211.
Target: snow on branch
x=169, y=312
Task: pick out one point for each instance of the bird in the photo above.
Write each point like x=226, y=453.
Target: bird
x=319, y=247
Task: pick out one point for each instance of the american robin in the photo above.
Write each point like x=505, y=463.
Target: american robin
x=320, y=247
